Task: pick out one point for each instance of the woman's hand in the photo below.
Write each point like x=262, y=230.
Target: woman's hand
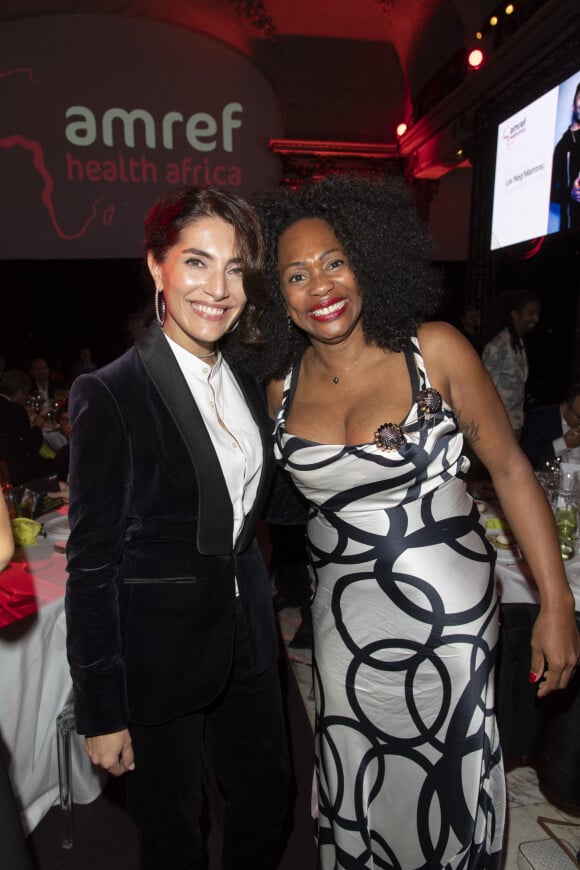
x=555, y=649
x=113, y=752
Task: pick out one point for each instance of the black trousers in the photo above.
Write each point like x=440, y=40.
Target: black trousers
x=14, y=854
x=242, y=738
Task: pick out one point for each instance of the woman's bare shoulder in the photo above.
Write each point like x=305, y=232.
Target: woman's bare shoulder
x=442, y=340
x=438, y=331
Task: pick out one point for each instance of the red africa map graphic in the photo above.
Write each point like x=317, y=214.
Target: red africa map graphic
x=39, y=164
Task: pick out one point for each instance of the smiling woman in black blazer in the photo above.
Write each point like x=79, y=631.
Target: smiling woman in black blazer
x=171, y=634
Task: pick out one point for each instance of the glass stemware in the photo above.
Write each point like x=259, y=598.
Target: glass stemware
x=566, y=520
x=548, y=475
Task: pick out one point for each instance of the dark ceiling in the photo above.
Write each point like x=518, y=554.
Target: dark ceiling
x=345, y=70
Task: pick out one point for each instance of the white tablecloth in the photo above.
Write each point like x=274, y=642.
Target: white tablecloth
x=35, y=685
x=517, y=585
x=515, y=581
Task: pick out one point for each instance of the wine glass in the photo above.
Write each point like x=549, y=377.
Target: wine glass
x=548, y=475
x=6, y=487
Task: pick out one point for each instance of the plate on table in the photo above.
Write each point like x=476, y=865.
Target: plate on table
x=506, y=547
x=57, y=528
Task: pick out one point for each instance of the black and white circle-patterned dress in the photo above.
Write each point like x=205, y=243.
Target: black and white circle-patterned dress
x=409, y=767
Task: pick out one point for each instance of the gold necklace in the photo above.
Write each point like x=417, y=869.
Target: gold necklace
x=336, y=378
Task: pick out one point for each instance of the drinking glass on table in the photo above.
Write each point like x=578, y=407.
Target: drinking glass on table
x=6, y=486
x=568, y=479
x=548, y=475
x=566, y=522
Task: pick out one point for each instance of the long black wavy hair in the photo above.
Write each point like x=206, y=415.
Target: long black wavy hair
x=388, y=249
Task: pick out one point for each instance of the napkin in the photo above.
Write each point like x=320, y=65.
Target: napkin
x=499, y=524
x=25, y=531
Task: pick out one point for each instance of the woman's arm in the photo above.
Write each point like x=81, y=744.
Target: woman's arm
x=6, y=540
x=456, y=370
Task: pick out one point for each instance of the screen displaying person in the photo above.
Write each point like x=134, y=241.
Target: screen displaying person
x=566, y=171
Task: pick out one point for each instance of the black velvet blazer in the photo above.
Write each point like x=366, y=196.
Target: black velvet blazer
x=150, y=599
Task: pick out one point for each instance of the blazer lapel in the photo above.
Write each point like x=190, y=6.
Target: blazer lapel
x=215, y=512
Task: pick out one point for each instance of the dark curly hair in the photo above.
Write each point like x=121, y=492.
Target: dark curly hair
x=388, y=249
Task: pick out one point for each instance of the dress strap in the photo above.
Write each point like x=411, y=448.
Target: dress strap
x=412, y=367
x=291, y=384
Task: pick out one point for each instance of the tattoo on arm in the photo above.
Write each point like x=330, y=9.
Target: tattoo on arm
x=470, y=429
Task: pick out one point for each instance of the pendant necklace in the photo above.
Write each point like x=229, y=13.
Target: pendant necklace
x=336, y=378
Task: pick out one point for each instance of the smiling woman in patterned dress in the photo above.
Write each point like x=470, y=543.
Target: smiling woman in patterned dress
x=372, y=404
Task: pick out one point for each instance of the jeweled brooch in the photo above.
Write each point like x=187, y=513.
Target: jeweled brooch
x=389, y=436
x=429, y=401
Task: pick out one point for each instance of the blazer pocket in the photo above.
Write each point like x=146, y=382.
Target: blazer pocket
x=178, y=641
x=158, y=580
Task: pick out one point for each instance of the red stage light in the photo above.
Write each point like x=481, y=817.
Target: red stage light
x=475, y=58
x=401, y=128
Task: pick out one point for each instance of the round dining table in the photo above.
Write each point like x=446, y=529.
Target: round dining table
x=544, y=732
x=35, y=683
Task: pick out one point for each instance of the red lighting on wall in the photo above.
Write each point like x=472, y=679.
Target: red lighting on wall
x=475, y=58
x=527, y=250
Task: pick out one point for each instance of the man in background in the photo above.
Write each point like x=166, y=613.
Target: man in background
x=20, y=436
x=43, y=385
x=554, y=430
x=505, y=355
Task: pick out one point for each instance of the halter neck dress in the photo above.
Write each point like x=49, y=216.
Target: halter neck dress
x=405, y=617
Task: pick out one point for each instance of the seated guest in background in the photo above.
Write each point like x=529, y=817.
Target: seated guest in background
x=554, y=430
x=84, y=364
x=43, y=385
x=505, y=355
x=61, y=460
x=20, y=436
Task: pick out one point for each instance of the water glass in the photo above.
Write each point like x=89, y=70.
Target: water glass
x=566, y=522
x=9, y=500
x=568, y=482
